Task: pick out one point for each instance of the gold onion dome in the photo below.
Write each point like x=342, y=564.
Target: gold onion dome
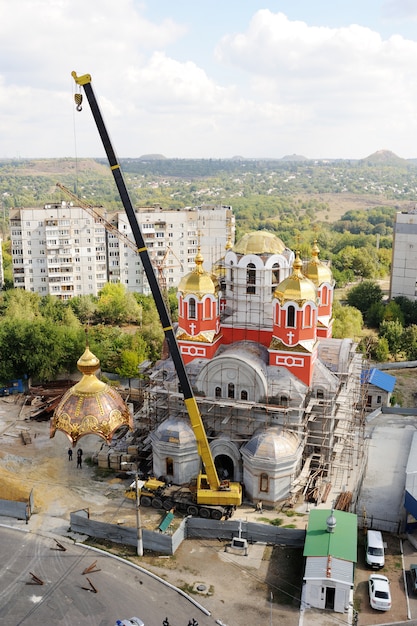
x=259, y=242
x=198, y=281
x=297, y=287
x=316, y=270
x=91, y=407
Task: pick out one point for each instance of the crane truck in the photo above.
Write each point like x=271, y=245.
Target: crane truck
x=207, y=496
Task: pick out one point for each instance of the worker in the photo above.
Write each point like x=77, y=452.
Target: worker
x=259, y=507
x=69, y=454
x=79, y=458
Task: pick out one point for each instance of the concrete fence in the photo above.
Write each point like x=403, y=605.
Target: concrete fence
x=190, y=528
x=18, y=509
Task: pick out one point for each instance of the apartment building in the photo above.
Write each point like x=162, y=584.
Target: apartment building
x=63, y=250
x=404, y=256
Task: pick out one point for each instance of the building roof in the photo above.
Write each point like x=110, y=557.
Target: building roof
x=378, y=379
x=259, y=242
x=341, y=544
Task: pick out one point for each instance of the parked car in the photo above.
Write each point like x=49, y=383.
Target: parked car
x=133, y=621
x=379, y=592
x=374, y=546
x=413, y=576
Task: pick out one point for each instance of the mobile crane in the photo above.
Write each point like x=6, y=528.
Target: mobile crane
x=209, y=497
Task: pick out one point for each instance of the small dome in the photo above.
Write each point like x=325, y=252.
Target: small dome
x=91, y=407
x=316, y=270
x=297, y=287
x=175, y=430
x=259, y=242
x=199, y=282
x=272, y=444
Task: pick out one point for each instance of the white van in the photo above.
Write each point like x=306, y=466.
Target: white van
x=374, y=546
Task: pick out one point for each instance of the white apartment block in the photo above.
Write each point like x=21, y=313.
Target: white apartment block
x=64, y=251
x=404, y=256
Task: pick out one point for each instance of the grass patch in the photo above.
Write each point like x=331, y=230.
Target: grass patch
x=277, y=521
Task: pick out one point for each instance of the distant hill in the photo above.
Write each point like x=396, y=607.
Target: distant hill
x=294, y=157
x=384, y=157
x=152, y=157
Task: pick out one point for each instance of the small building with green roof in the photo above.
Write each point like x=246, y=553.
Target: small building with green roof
x=330, y=552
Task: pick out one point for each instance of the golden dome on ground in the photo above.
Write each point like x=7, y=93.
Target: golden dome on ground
x=198, y=282
x=316, y=270
x=259, y=242
x=91, y=407
x=297, y=287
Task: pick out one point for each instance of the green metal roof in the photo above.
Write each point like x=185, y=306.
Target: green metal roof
x=341, y=544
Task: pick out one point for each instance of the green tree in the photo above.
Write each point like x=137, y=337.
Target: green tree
x=348, y=321
x=117, y=306
x=393, y=333
x=365, y=294
x=410, y=342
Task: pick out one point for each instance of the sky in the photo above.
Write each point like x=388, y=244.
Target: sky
x=210, y=79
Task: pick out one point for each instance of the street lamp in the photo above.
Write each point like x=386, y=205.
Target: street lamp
x=139, y=541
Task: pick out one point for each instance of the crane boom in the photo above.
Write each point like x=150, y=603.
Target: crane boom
x=230, y=493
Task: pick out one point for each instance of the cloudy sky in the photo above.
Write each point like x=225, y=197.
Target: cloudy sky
x=218, y=78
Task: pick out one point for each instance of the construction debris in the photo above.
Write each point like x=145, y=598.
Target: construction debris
x=35, y=580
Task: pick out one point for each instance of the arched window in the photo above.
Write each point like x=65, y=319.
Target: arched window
x=251, y=278
x=263, y=483
x=232, y=276
x=169, y=466
x=207, y=309
x=320, y=394
x=275, y=276
x=324, y=296
x=308, y=315
x=243, y=394
x=283, y=400
x=218, y=392
x=192, y=309
x=291, y=316
x=230, y=390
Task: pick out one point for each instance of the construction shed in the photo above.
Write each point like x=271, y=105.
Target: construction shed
x=330, y=552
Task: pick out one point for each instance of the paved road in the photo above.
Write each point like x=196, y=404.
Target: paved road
x=123, y=590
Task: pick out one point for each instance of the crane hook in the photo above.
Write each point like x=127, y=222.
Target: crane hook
x=78, y=97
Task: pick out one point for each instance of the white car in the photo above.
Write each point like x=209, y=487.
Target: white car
x=133, y=621
x=379, y=592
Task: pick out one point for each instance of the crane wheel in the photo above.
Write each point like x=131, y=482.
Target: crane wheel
x=146, y=501
x=157, y=503
x=192, y=510
x=205, y=513
x=167, y=505
x=216, y=514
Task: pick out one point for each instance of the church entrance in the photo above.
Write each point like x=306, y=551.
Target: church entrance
x=224, y=466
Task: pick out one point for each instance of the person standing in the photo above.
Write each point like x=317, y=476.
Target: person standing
x=79, y=458
x=69, y=454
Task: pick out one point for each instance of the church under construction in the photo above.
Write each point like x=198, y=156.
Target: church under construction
x=279, y=397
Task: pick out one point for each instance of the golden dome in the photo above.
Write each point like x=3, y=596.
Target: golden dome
x=297, y=287
x=91, y=407
x=316, y=270
x=198, y=282
x=259, y=242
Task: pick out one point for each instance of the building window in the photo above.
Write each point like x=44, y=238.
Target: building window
x=169, y=466
x=379, y=399
x=218, y=392
x=243, y=394
x=320, y=394
x=263, y=483
x=192, y=309
x=369, y=401
x=283, y=400
x=230, y=390
x=251, y=278
x=308, y=315
x=291, y=316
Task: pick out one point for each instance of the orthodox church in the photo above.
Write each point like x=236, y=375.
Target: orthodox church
x=278, y=395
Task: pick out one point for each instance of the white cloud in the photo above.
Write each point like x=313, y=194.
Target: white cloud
x=320, y=91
